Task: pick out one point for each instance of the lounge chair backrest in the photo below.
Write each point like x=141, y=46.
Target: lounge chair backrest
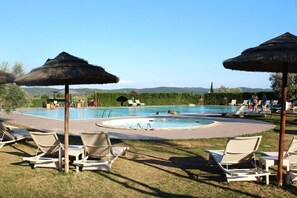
x=240, y=149
x=97, y=145
x=292, y=151
x=4, y=134
x=233, y=102
x=48, y=143
x=130, y=102
x=240, y=110
x=244, y=102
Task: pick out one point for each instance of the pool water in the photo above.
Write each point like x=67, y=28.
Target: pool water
x=155, y=123
x=116, y=112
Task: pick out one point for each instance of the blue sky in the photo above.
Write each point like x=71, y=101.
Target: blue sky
x=146, y=43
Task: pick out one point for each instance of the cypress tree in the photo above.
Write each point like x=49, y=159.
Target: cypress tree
x=211, y=88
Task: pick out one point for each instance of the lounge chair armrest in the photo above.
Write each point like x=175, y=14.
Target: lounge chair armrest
x=7, y=142
x=10, y=127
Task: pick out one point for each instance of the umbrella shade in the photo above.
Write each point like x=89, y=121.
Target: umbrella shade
x=268, y=57
x=66, y=69
x=6, y=77
x=276, y=55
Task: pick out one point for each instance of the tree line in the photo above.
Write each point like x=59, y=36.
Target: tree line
x=13, y=96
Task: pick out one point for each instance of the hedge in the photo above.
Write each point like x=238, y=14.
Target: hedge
x=113, y=99
x=36, y=102
x=225, y=98
x=117, y=99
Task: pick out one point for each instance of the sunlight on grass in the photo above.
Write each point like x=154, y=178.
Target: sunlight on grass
x=168, y=168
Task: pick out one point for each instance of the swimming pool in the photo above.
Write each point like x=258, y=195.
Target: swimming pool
x=116, y=112
x=158, y=123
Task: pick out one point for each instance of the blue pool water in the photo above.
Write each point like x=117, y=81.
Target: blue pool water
x=91, y=113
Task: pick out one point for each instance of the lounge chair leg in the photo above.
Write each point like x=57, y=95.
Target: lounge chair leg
x=288, y=179
x=267, y=179
x=60, y=160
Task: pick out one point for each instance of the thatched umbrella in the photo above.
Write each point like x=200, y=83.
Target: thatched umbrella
x=66, y=69
x=276, y=55
x=6, y=77
x=122, y=99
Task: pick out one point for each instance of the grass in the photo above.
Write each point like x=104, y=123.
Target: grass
x=172, y=168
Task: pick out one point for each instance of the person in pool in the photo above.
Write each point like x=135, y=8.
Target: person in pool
x=172, y=112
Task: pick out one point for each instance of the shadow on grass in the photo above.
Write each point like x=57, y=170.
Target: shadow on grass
x=209, y=175
x=21, y=152
x=168, y=145
x=152, y=191
x=290, y=131
x=189, y=163
x=290, y=188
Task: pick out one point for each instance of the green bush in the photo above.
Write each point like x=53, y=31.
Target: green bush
x=111, y=99
x=36, y=102
x=225, y=98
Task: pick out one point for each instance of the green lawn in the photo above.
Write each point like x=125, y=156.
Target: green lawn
x=173, y=168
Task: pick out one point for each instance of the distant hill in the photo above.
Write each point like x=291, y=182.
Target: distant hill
x=166, y=90
x=246, y=89
x=38, y=91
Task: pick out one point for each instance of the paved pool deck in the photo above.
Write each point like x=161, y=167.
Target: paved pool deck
x=224, y=127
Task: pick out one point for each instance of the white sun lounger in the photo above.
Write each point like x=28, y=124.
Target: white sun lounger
x=245, y=102
x=138, y=103
x=239, y=150
x=48, y=146
x=233, y=102
x=131, y=103
x=238, y=113
x=10, y=134
x=290, y=157
x=98, y=147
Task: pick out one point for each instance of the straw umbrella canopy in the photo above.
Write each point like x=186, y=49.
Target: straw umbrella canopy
x=276, y=55
x=66, y=69
x=6, y=77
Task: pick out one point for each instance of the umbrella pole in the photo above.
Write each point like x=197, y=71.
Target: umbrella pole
x=282, y=125
x=66, y=128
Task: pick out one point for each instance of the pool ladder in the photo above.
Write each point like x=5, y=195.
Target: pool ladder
x=106, y=111
x=148, y=126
